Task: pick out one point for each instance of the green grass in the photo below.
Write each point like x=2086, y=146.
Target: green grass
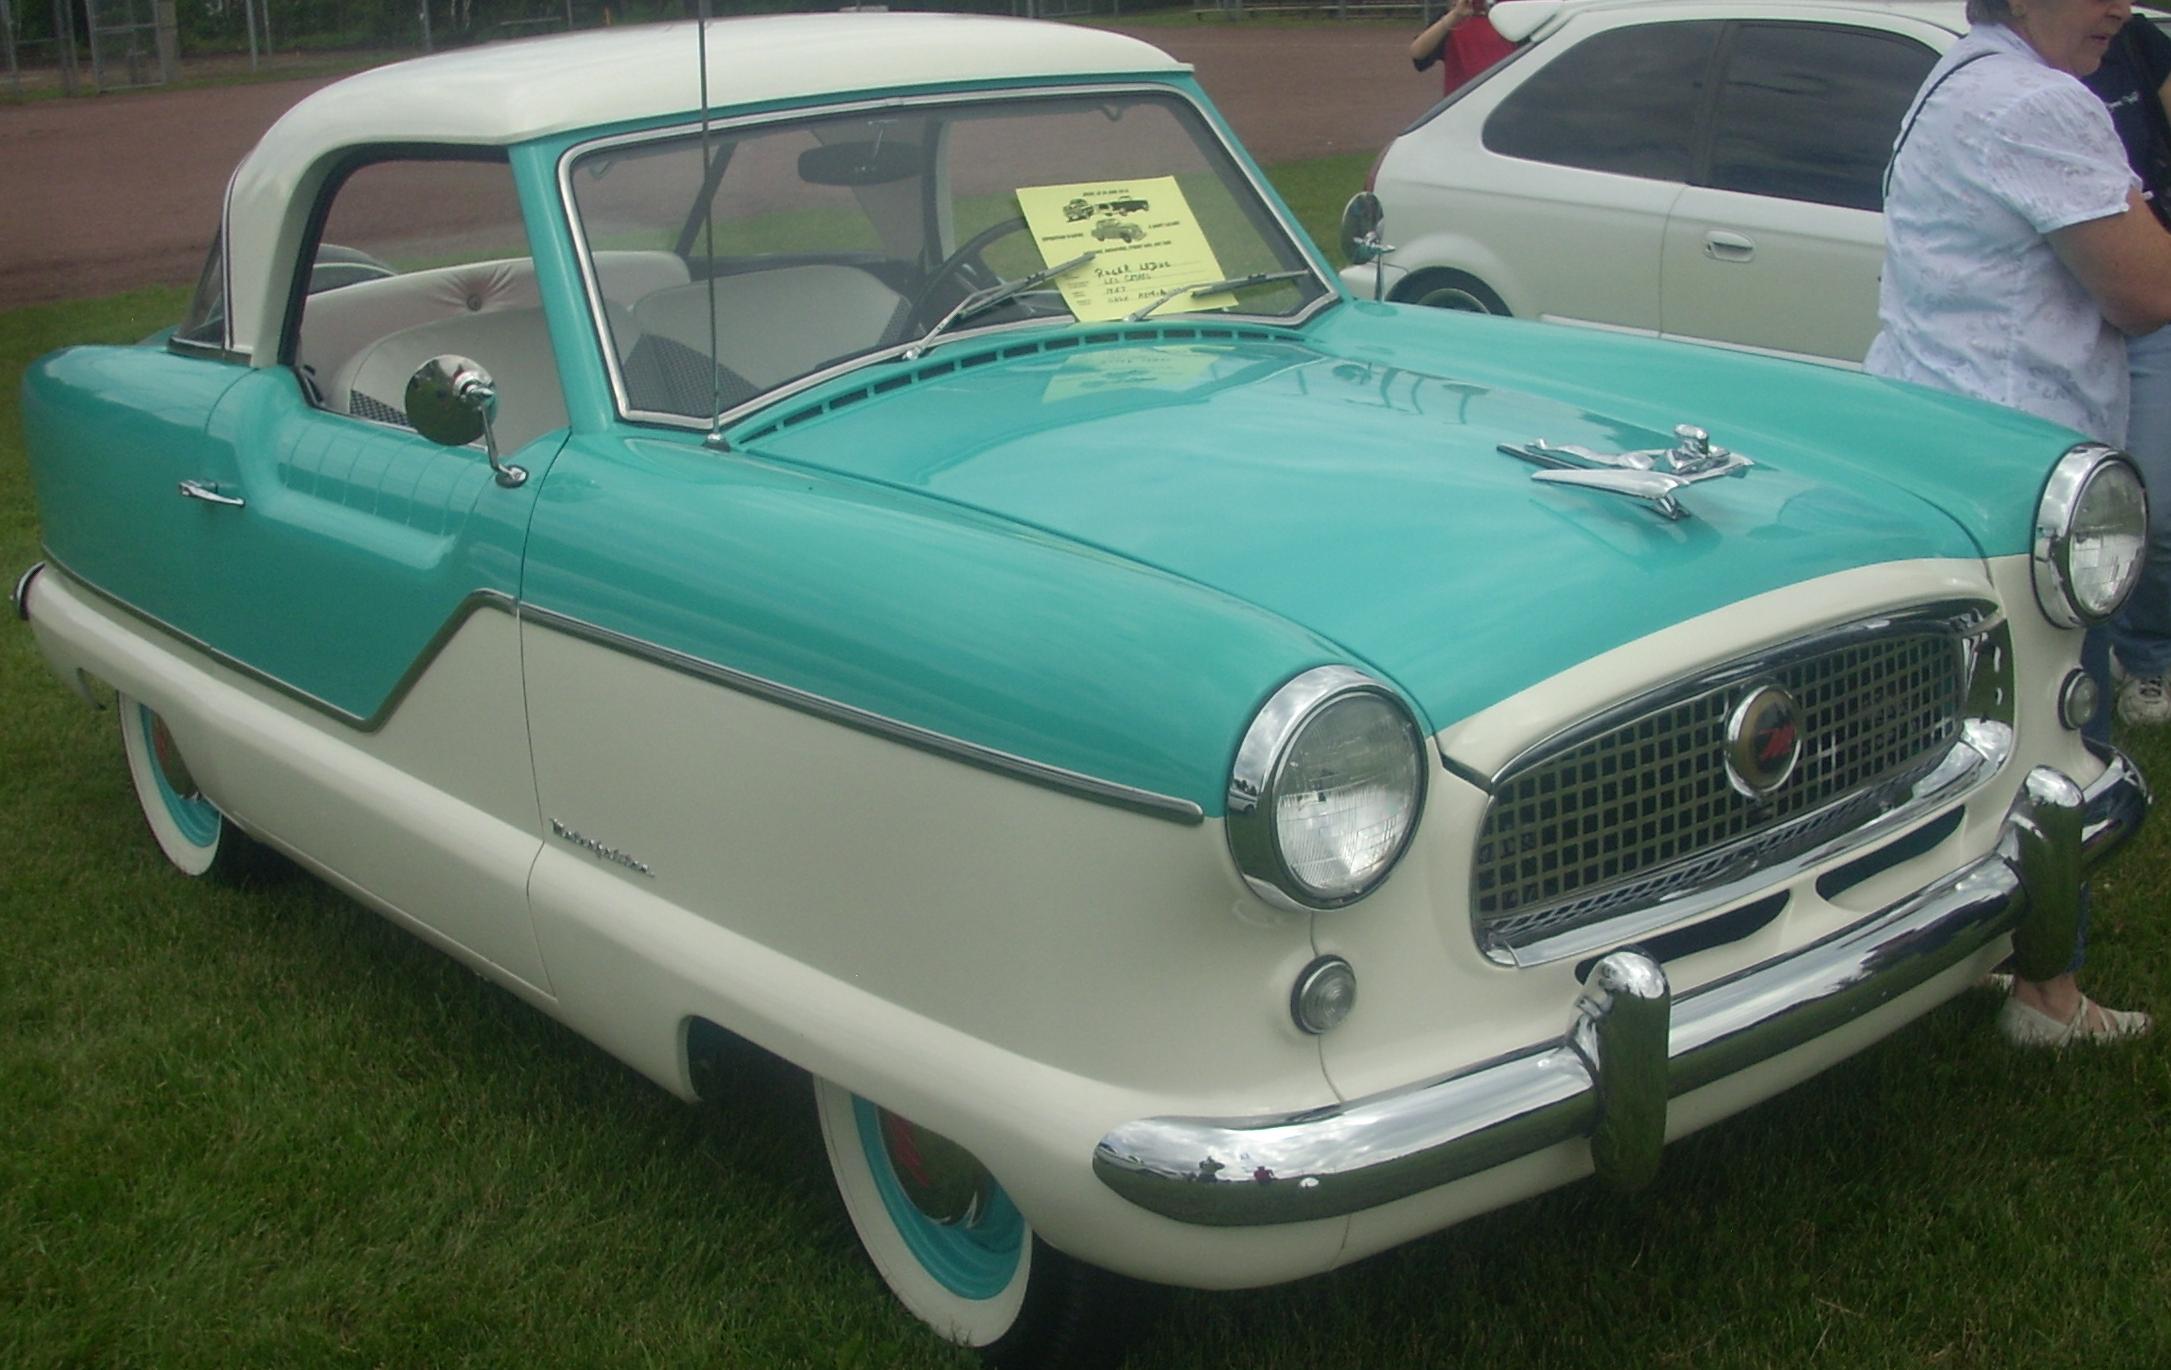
x=261, y=1127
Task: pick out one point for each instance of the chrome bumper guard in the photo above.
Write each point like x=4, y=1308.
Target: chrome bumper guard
x=21, y=597
x=1630, y=1046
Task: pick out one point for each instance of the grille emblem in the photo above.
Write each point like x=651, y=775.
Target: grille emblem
x=1763, y=741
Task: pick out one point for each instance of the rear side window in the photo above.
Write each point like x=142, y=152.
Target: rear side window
x=1808, y=111
x=1623, y=101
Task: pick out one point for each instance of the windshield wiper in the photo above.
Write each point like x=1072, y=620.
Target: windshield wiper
x=982, y=300
x=1210, y=287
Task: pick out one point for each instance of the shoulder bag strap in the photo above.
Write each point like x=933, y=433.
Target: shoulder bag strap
x=1916, y=112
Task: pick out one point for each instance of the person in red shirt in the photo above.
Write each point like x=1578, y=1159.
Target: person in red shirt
x=1463, y=41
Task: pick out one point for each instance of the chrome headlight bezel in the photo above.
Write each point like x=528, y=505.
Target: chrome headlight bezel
x=1254, y=834
x=2065, y=601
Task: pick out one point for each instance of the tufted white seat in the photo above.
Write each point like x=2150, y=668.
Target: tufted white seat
x=776, y=324
x=339, y=326
x=513, y=345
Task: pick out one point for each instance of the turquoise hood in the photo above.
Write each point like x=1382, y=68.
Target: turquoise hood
x=1348, y=479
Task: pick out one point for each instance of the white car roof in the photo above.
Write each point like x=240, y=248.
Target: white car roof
x=505, y=93
x=1518, y=20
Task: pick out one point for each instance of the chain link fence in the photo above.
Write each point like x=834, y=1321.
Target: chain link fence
x=96, y=45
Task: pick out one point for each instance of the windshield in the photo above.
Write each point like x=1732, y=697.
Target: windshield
x=801, y=245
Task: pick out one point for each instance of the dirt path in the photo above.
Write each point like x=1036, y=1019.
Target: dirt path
x=104, y=194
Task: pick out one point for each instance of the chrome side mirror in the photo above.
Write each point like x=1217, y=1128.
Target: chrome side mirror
x=1361, y=245
x=452, y=401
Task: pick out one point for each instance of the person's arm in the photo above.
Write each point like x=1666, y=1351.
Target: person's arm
x=2125, y=261
x=1426, y=45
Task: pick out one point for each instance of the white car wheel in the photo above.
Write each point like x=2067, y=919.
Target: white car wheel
x=1452, y=290
x=952, y=1246
x=189, y=829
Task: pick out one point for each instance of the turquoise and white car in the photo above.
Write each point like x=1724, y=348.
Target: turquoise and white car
x=1211, y=775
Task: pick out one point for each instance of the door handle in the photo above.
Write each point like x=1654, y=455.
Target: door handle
x=209, y=494
x=1722, y=246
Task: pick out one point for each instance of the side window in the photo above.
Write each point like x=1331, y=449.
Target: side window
x=805, y=239
x=205, y=326
x=1624, y=101
x=1808, y=111
x=419, y=257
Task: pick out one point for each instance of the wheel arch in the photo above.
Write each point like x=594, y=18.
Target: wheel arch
x=1437, y=256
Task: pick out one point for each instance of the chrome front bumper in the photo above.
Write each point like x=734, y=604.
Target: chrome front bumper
x=1630, y=1046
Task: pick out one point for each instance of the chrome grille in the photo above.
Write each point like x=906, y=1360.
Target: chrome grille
x=1639, y=810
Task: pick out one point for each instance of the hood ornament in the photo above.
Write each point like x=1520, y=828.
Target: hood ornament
x=1653, y=476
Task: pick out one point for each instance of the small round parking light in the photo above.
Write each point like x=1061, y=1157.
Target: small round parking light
x=2078, y=700
x=1325, y=992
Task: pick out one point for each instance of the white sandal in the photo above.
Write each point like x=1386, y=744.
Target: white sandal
x=2028, y=1027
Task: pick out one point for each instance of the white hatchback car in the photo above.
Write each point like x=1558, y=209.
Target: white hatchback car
x=1700, y=169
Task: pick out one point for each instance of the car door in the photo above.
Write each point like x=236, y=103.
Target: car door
x=1778, y=243
x=1585, y=156
x=370, y=573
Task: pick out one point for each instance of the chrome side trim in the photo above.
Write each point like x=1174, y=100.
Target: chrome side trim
x=851, y=716
x=20, y=597
x=475, y=602
x=987, y=758
x=1600, y=1080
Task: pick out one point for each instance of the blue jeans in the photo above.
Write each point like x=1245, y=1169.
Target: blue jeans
x=2142, y=630
x=2096, y=660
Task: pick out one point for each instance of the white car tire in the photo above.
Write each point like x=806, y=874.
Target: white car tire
x=189, y=829
x=1451, y=290
x=972, y=1269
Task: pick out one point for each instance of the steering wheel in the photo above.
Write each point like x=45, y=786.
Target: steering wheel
x=924, y=309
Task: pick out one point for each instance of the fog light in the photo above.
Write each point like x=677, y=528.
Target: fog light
x=2078, y=700
x=1325, y=992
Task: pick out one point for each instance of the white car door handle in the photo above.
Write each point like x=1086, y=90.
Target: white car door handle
x=1728, y=247
x=196, y=489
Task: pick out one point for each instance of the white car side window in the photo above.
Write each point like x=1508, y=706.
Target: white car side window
x=1624, y=100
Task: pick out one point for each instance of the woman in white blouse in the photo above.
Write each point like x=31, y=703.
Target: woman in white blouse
x=2018, y=253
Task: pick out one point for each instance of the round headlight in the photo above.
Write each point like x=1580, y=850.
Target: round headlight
x=1326, y=790
x=2091, y=530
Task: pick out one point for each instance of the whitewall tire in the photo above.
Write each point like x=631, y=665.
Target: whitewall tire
x=189, y=829
x=955, y=1250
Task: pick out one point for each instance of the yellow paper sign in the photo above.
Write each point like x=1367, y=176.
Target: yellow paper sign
x=1144, y=238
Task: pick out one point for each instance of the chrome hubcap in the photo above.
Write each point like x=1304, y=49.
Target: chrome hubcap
x=939, y=1177
x=166, y=755
x=1455, y=298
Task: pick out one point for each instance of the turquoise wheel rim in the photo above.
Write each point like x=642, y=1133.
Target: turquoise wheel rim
x=191, y=813
x=973, y=1260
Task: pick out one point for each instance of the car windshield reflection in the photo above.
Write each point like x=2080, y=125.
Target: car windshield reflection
x=785, y=249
